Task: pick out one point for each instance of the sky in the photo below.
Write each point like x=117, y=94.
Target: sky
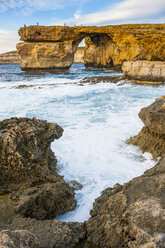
x=15, y=13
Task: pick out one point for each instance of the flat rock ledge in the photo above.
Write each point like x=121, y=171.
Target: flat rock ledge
x=147, y=72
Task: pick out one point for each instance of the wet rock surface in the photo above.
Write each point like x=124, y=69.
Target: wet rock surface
x=102, y=79
x=152, y=136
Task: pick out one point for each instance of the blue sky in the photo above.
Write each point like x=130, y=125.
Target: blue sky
x=16, y=13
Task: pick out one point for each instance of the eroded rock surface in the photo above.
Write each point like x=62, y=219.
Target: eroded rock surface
x=18, y=238
x=108, y=46
x=131, y=215
x=28, y=168
x=145, y=70
x=152, y=136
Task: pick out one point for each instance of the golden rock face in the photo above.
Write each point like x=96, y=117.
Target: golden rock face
x=108, y=46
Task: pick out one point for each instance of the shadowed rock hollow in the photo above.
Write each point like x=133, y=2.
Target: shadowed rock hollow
x=107, y=46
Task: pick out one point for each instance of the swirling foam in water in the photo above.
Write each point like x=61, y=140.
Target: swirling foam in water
x=97, y=120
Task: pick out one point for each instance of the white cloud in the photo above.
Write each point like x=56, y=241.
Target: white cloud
x=127, y=11
x=8, y=40
x=29, y=6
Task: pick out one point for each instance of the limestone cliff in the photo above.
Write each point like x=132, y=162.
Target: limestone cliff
x=108, y=46
x=10, y=58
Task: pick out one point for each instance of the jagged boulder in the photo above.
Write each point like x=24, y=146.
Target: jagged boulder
x=28, y=169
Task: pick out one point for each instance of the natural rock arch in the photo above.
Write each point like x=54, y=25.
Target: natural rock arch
x=108, y=46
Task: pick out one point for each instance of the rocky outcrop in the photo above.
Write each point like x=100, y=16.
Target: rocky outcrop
x=31, y=191
x=15, y=239
x=152, y=136
x=153, y=71
x=28, y=169
x=131, y=215
x=10, y=58
x=108, y=46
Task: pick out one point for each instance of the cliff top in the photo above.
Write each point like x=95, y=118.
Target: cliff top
x=63, y=33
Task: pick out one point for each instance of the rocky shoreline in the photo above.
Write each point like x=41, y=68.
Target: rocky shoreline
x=32, y=193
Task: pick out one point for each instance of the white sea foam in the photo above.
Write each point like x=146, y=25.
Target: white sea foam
x=97, y=120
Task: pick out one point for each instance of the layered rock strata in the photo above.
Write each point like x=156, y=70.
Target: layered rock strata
x=10, y=58
x=153, y=71
x=108, y=46
x=152, y=136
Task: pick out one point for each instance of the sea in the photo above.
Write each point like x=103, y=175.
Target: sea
x=97, y=120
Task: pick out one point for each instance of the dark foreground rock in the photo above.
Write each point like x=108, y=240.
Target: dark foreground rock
x=28, y=169
x=131, y=215
x=31, y=191
x=152, y=136
x=18, y=238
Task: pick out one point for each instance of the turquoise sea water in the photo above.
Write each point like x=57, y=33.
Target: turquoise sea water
x=97, y=120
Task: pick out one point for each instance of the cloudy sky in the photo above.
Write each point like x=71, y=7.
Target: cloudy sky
x=16, y=13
